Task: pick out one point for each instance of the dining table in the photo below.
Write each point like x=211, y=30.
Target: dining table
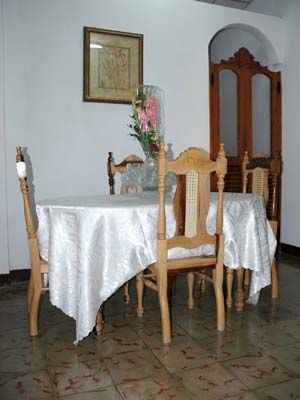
x=94, y=244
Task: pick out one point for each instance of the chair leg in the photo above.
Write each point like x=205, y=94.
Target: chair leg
x=202, y=282
x=34, y=292
x=218, y=286
x=247, y=277
x=190, y=281
x=274, y=280
x=29, y=293
x=162, y=285
x=126, y=293
x=239, y=299
x=99, y=326
x=34, y=310
x=140, y=292
x=229, y=281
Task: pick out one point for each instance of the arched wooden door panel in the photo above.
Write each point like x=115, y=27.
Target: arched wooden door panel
x=245, y=68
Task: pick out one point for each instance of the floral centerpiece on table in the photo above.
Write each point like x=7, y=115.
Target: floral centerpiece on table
x=147, y=115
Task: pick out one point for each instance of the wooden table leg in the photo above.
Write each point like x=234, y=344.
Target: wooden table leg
x=126, y=293
x=239, y=296
x=229, y=281
x=274, y=280
x=191, y=280
x=140, y=292
x=247, y=277
x=99, y=322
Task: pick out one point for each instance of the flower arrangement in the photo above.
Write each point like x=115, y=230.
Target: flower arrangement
x=145, y=121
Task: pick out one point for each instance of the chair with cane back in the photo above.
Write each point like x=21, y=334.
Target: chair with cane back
x=256, y=174
x=195, y=160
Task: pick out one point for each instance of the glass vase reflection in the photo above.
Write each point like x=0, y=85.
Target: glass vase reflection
x=149, y=174
x=131, y=179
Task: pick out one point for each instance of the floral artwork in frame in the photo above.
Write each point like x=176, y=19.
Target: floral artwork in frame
x=113, y=65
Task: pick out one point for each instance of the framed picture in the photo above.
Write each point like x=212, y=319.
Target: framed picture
x=113, y=65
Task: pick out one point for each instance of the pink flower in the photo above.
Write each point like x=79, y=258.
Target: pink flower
x=151, y=110
x=143, y=119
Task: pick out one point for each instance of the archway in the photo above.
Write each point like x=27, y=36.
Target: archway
x=232, y=37
x=245, y=97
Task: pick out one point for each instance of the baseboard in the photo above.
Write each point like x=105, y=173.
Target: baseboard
x=289, y=249
x=18, y=275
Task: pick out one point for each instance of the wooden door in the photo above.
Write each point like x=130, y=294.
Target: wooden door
x=243, y=69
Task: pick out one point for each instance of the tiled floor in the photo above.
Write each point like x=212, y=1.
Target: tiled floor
x=257, y=357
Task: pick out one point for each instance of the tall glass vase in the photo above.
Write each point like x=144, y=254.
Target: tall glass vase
x=149, y=174
x=149, y=129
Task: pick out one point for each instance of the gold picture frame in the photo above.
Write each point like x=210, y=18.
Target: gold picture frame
x=113, y=65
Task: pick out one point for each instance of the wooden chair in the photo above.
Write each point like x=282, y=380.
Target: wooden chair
x=193, y=159
x=112, y=169
x=259, y=170
x=38, y=265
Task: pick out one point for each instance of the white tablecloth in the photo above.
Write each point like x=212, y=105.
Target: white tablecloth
x=95, y=244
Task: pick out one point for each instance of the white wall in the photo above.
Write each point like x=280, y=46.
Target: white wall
x=68, y=139
x=4, y=264
x=290, y=220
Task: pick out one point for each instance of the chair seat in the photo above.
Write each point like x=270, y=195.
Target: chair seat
x=182, y=264
x=44, y=266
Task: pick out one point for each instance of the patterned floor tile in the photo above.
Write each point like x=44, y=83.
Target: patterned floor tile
x=27, y=357
x=283, y=391
x=119, y=340
x=7, y=376
x=245, y=396
x=149, y=316
x=256, y=357
x=18, y=338
x=114, y=322
x=12, y=319
x=210, y=382
x=162, y=387
x=256, y=372
x=247, y=319
x=291, y=327
x=228, y=345
x=267, y=337
x=200, y=328
x=288, y=356
x=151, y=333
x=80, y=377
x=275, y=311
x=65, y=352
x=133, y=366
x=34, y=386
x=181, y=355
x=109, y=393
